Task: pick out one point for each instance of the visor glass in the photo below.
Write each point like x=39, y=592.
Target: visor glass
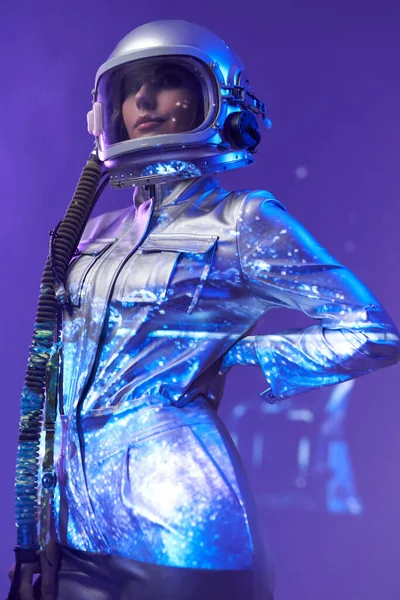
x=155, y=97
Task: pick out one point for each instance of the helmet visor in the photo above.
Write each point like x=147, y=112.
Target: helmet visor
x=154, y=97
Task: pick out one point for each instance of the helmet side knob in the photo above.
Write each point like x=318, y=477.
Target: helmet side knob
x=241, y=129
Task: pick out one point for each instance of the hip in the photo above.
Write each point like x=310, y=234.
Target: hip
x=171, y=491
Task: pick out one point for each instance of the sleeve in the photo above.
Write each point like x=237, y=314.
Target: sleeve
x=284, y=266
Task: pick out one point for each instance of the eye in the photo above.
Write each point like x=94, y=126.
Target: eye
x=132, y=86
x=135, y=87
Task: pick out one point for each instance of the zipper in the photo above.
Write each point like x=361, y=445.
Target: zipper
x=96, y=363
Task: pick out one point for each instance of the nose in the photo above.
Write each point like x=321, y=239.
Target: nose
x=146, y=97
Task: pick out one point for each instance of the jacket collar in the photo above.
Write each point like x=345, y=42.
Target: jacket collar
x=171, y=193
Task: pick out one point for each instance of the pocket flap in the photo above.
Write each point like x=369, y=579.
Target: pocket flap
x=179, y=242
x=95, y=247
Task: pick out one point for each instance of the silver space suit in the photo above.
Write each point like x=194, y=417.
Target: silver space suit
x=165, y=295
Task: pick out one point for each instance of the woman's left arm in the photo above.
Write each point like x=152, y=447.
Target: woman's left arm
x=284, y=266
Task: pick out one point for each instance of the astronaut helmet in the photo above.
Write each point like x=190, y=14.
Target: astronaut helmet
x=173, y=101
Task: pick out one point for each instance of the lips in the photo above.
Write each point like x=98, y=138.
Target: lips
x=147, y=122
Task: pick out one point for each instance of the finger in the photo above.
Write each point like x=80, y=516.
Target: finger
x=49, y=564
x=48, y=581
x=26, y=591
x=26, y=587
x=11, y=572
x=52, y=553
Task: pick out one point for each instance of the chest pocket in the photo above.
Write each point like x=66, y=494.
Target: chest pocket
x=78, y=271
x=168, y=269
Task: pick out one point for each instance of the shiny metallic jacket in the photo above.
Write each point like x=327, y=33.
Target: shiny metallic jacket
x=165, y=295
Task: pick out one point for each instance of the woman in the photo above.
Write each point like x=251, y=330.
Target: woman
x=151, y=498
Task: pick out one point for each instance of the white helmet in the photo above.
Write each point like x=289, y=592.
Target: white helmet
x=217, y=128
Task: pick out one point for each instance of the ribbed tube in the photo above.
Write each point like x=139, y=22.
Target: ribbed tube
x=63, y=247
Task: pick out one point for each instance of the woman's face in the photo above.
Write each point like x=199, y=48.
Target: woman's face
x=159, y=100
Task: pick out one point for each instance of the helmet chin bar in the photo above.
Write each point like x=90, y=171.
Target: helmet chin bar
x=159, y=169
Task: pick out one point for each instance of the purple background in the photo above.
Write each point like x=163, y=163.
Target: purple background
x=329, y=73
